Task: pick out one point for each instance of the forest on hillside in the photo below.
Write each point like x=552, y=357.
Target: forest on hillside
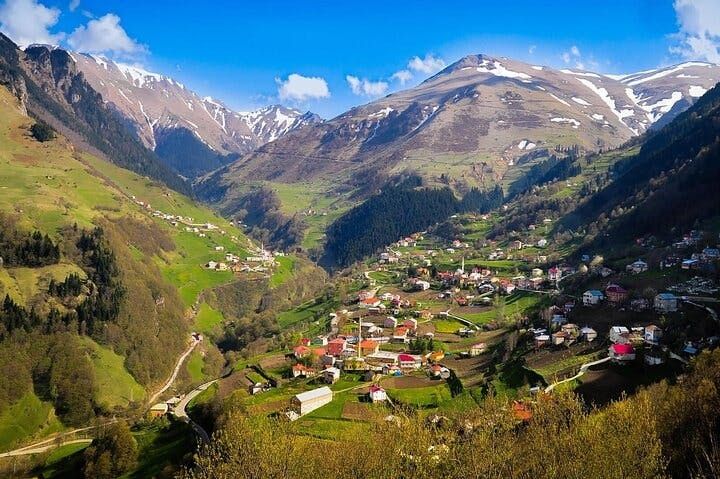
x=399, y=210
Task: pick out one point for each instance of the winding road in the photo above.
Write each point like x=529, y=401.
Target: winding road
x=175, y=372
x=182, y=414
x=583, y=370
x=52, y=441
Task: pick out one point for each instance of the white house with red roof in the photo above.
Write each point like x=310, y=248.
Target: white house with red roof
x=377, y=394
x=622, y=352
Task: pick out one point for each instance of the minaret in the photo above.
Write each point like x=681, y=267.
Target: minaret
x=462, y=268
x=359, y=351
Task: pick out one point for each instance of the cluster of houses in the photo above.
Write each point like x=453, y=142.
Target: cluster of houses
x=624, y=341
x=616, y=295
x=260, y=262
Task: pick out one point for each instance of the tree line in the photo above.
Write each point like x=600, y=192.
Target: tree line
x=396, y=212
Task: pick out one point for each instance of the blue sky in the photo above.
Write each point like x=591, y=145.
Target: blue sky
x=327, y=56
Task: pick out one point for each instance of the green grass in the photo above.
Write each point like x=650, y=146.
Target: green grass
x=431, y=396
x=283, y=271
x=23, y=284
x=207, y=319
x=28, y=418
x=550, y=371
x=514, y=304
x=194, y=367
x=447, y=326
x=304, y=313
x=116, y=387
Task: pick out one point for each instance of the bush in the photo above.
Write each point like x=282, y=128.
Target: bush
x=42, y=132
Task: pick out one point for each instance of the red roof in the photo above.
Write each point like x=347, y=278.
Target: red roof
x=301, y=350
x=622, y=348
x=615, y=288
x=368, y=344
x=375, y=388
x=406, y=358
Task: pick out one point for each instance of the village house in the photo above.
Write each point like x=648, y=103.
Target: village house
x=390, y=322
x=409, y=361
x=336, y=346
x=560, y=337
x=158, y=410
x=537, y=272
x=622, y=352
x=377, y=394
x=653, y=334
x=592, y=297
x=588, y=334
x=331, y=375
x=301, y=351
x=554, y=273
x=308, y=401
x=542, y=243
x=541, y=340
x=665, y=303
x=371, y=302
x=400, y=334
x=571, y=329
x=637, y=267
x=619, y=334
x=319, y=341
x=654, y=357
x=368, y=346
x=477, y=349
x=301, y=371
x=410, y=324
x=639, y=304
x=615, y=293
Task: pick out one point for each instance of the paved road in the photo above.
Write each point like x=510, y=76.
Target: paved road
x=181, y=413
x=175, y=372
x=583, y=370
x=38, y=449
x=713, y=314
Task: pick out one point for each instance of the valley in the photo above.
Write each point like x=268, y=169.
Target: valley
x=500, y=269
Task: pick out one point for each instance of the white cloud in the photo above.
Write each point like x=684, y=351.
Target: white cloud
x=430, y=64
x=532, y=49
x=365, y=87
x=699, y=35
x=578, y=60
x=105, y=35
x=73, y=5
x=301, y=88
x=403, y=76
x=28, y=21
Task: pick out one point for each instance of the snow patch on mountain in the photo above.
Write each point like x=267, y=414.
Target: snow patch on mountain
x=559, y=99
x=665, y=72
x=610, y=102
x=499, y=70
x=580, y=101
x=696, y=91
x=570, y=121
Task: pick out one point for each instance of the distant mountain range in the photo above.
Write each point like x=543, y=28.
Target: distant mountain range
x=479, y=121
x=160, y=110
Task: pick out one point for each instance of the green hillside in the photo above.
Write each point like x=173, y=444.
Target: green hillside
x=56, y=190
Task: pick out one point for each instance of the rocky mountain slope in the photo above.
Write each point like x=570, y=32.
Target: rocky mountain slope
x=154, y=104
x=478, y=121
x=49, y=87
